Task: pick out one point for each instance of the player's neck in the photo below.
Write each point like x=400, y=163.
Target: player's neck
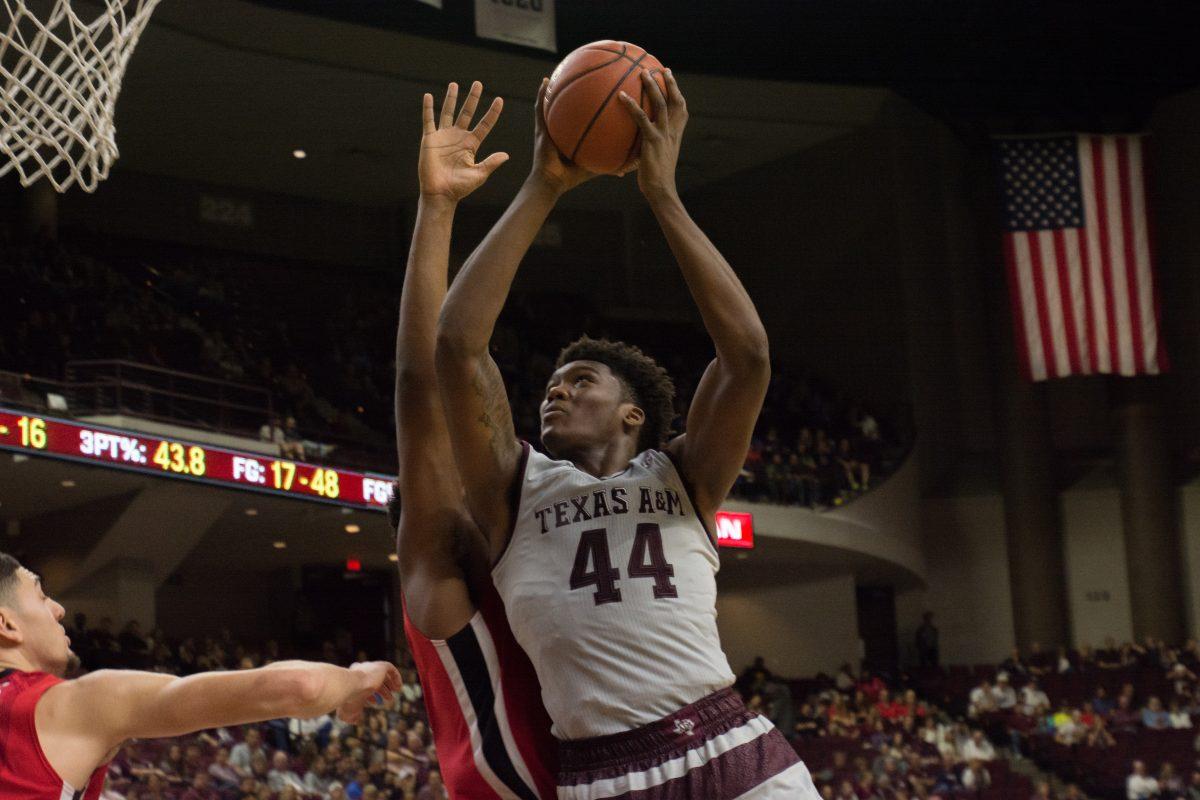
x=12, y=659
x=601, y=461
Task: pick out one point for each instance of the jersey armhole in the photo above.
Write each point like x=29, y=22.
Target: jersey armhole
x=514, y=502
x=691, y=496
x=67, y=787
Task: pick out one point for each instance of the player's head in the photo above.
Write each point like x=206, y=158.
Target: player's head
x=603, y=391
x=31, y=631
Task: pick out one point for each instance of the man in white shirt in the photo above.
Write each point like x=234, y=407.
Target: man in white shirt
x=978, y=747
x=1006, y=696
x=1034, y=701
x=243, y=753
x=982, y=700
x=1140, y=786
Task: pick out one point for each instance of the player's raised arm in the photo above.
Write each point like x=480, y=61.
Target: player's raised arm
x=435, y=591
x=80, y=722
x=473, y=394
x=730, y=395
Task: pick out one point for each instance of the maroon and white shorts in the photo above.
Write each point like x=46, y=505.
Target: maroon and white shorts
x=714, y=749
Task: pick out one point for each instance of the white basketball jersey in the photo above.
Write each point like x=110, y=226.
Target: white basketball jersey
x=610, y=588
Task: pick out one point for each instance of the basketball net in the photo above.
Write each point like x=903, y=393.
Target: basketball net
x=59, y=80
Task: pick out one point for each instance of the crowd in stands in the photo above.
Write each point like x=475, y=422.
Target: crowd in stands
x=867, y=737
x=327, y=356
x=1117, y=719
x=388, y=755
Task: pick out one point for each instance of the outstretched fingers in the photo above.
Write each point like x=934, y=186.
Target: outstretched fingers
x=468, y=109
x=484, y=127
x=427, y=126
x=448, y=105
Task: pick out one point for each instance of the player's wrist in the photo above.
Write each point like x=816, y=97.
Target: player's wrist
x=662, y=196
x=544, y=185
x=438, y=201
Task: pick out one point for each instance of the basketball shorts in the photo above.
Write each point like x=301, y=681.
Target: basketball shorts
x=714, y=749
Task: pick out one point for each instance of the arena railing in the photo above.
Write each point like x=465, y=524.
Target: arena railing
x=116, y=387
x=165, y=395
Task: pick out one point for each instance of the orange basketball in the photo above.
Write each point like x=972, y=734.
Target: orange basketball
x=584, y=115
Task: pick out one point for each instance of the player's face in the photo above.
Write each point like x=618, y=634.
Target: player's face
x=584, y=406
x=38, y=620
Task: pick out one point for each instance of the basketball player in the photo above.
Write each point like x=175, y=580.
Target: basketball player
x=57, y=736
x=491, y=729
x=603, y=552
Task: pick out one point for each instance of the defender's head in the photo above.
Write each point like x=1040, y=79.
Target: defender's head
x=31, y=633
x=602, y=392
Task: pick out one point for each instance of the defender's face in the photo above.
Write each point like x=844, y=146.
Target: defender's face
x=36, y=623
x=584, y=406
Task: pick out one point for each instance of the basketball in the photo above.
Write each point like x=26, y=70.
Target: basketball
x=583, y=113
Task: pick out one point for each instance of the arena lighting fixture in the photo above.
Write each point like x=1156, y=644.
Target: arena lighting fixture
x=280, y=545
x=251, y=512
x=393, y=557
x=352, y=528
x=67, y=484
x=353, y=565
x=299, y=154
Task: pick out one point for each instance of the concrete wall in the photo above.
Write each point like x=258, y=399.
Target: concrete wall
x=1097, y=579
x=799, y=628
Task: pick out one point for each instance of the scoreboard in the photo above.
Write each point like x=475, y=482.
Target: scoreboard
x=22, y=432
x=176, y=458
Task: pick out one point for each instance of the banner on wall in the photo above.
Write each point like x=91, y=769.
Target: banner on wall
x=525, y=22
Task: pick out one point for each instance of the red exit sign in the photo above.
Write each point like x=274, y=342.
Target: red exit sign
x=735, y=529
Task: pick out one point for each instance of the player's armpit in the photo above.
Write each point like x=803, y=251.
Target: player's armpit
x=720, y=422
x=482, y=434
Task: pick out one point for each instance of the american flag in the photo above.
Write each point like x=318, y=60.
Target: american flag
x=1080, y=259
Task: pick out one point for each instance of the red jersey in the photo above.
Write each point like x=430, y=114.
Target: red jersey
x=485, y=709
x=25, y=774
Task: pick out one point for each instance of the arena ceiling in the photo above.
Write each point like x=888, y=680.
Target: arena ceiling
x=223, y=91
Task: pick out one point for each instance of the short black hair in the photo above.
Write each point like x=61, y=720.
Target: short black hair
x=648, y=384
x=393, y=506
x=8, y=576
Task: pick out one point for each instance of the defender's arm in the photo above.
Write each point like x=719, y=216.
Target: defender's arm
x=80, y=722
x=436, y=593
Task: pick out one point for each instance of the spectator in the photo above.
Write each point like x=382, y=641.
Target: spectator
x=845, y=680
x=976, y=775
x=272, y=432
x=1006, y=696
x=1193, y=790
x=243, y=753
x=1139, y=785
x=293, y=442
x=982, y=700
x=201, y=789
x=1101, y=702
x=978, y=748
x=1180, y=719
x=927, y=641
x=1154, y=717
x=433, y=789
x=1097, y=735
x=1124, y=718
x=281, y=773
x=1042, y=791
x=1034, y=701
x=224, y=777
x=1170, y=784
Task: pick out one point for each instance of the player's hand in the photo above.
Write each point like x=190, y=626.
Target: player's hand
x=447, y=167
x=661, y=137
x=549, y=165
x=379, y=682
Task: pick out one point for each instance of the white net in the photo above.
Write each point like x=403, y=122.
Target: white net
x=60, y=75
